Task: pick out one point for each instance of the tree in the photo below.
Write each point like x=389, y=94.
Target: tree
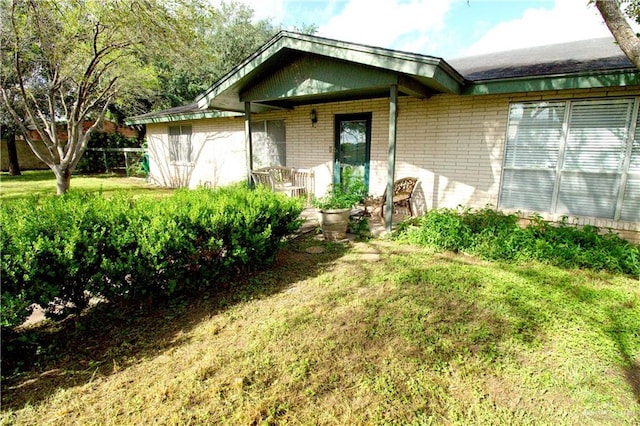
x=614, y=17
x=226, y=35
x=10, y=136
x=66, y=61
x=8, y=130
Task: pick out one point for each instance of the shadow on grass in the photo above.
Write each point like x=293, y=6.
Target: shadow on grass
x=621, y=326
x=108, y=337
x=462, y=311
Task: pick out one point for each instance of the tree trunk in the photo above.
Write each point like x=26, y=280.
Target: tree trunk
x=12, y=153
x=620, y=28
x=63, y=181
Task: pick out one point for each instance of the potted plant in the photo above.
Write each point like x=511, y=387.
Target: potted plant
x=334, y=208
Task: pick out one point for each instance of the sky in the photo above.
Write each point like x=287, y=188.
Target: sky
x=443, y=28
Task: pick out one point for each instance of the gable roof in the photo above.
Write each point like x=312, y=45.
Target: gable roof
x=308, y=68
x=293, y=69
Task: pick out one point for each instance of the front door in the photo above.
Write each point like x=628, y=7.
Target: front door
x=352, y=145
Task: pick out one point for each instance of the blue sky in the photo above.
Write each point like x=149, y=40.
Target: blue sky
x=444, y=28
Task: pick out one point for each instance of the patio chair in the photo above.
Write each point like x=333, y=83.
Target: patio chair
x=402, y=193
x=291, y=181
x=263, y=178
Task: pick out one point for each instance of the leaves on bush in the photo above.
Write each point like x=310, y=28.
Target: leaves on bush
x=60, y=251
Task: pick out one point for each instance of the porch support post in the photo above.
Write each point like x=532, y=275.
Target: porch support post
x=248, y=142
x=391, y=160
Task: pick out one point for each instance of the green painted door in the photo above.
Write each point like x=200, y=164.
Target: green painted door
x=352, y=145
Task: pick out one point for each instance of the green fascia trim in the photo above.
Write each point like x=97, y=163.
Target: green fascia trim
x=182, y=117
x=444, y=76
x=556, y=82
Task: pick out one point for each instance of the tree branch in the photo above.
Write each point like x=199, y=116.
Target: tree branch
x=620, y=28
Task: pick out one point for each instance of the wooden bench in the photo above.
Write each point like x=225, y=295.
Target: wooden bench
x=291, y=181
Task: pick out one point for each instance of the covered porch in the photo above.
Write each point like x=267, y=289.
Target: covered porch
x=296, y=75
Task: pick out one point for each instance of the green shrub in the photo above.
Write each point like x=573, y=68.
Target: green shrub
x=494, y=235
x=443, y=229
x=62, y=250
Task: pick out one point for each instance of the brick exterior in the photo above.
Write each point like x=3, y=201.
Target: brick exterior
x=453, y=144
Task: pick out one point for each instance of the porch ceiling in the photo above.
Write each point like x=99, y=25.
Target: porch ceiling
x=295, y=69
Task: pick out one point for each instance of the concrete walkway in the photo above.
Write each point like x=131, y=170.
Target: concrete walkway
x=376, y=223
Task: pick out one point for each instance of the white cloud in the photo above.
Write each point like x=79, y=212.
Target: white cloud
x=267, y=9
x=385, y=22
x=569, y=20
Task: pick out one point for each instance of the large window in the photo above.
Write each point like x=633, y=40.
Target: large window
x=269, y=143
x=577, y=158
x=180, y=144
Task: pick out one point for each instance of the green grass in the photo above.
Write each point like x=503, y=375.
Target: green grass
x=340, y=338
x=43, y=183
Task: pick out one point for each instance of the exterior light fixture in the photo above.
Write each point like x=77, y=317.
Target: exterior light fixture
x=314, y=118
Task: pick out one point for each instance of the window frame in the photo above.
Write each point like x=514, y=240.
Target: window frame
x=177, y=143
x=265, y=129
x=623, y=176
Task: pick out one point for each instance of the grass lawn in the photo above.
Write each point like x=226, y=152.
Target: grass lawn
x=364, y=333
x=43, y=182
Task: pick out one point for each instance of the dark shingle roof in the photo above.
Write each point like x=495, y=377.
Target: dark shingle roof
x=575, y=57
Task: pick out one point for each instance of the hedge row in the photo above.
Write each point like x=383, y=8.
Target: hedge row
x=494, y=235
x=63, y=250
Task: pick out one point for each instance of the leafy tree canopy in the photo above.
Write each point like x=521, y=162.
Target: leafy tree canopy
x=65, y=62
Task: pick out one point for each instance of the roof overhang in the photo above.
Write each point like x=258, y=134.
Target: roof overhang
x=591, y=80
x=294, y=69
x=182, y=113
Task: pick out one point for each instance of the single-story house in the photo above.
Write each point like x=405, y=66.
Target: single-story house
x=551, y=130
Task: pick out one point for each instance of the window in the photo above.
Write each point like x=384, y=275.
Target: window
x=269, y=143
x=180, y=144
x=577, y=158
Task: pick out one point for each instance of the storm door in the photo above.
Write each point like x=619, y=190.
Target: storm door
x=352, y=145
